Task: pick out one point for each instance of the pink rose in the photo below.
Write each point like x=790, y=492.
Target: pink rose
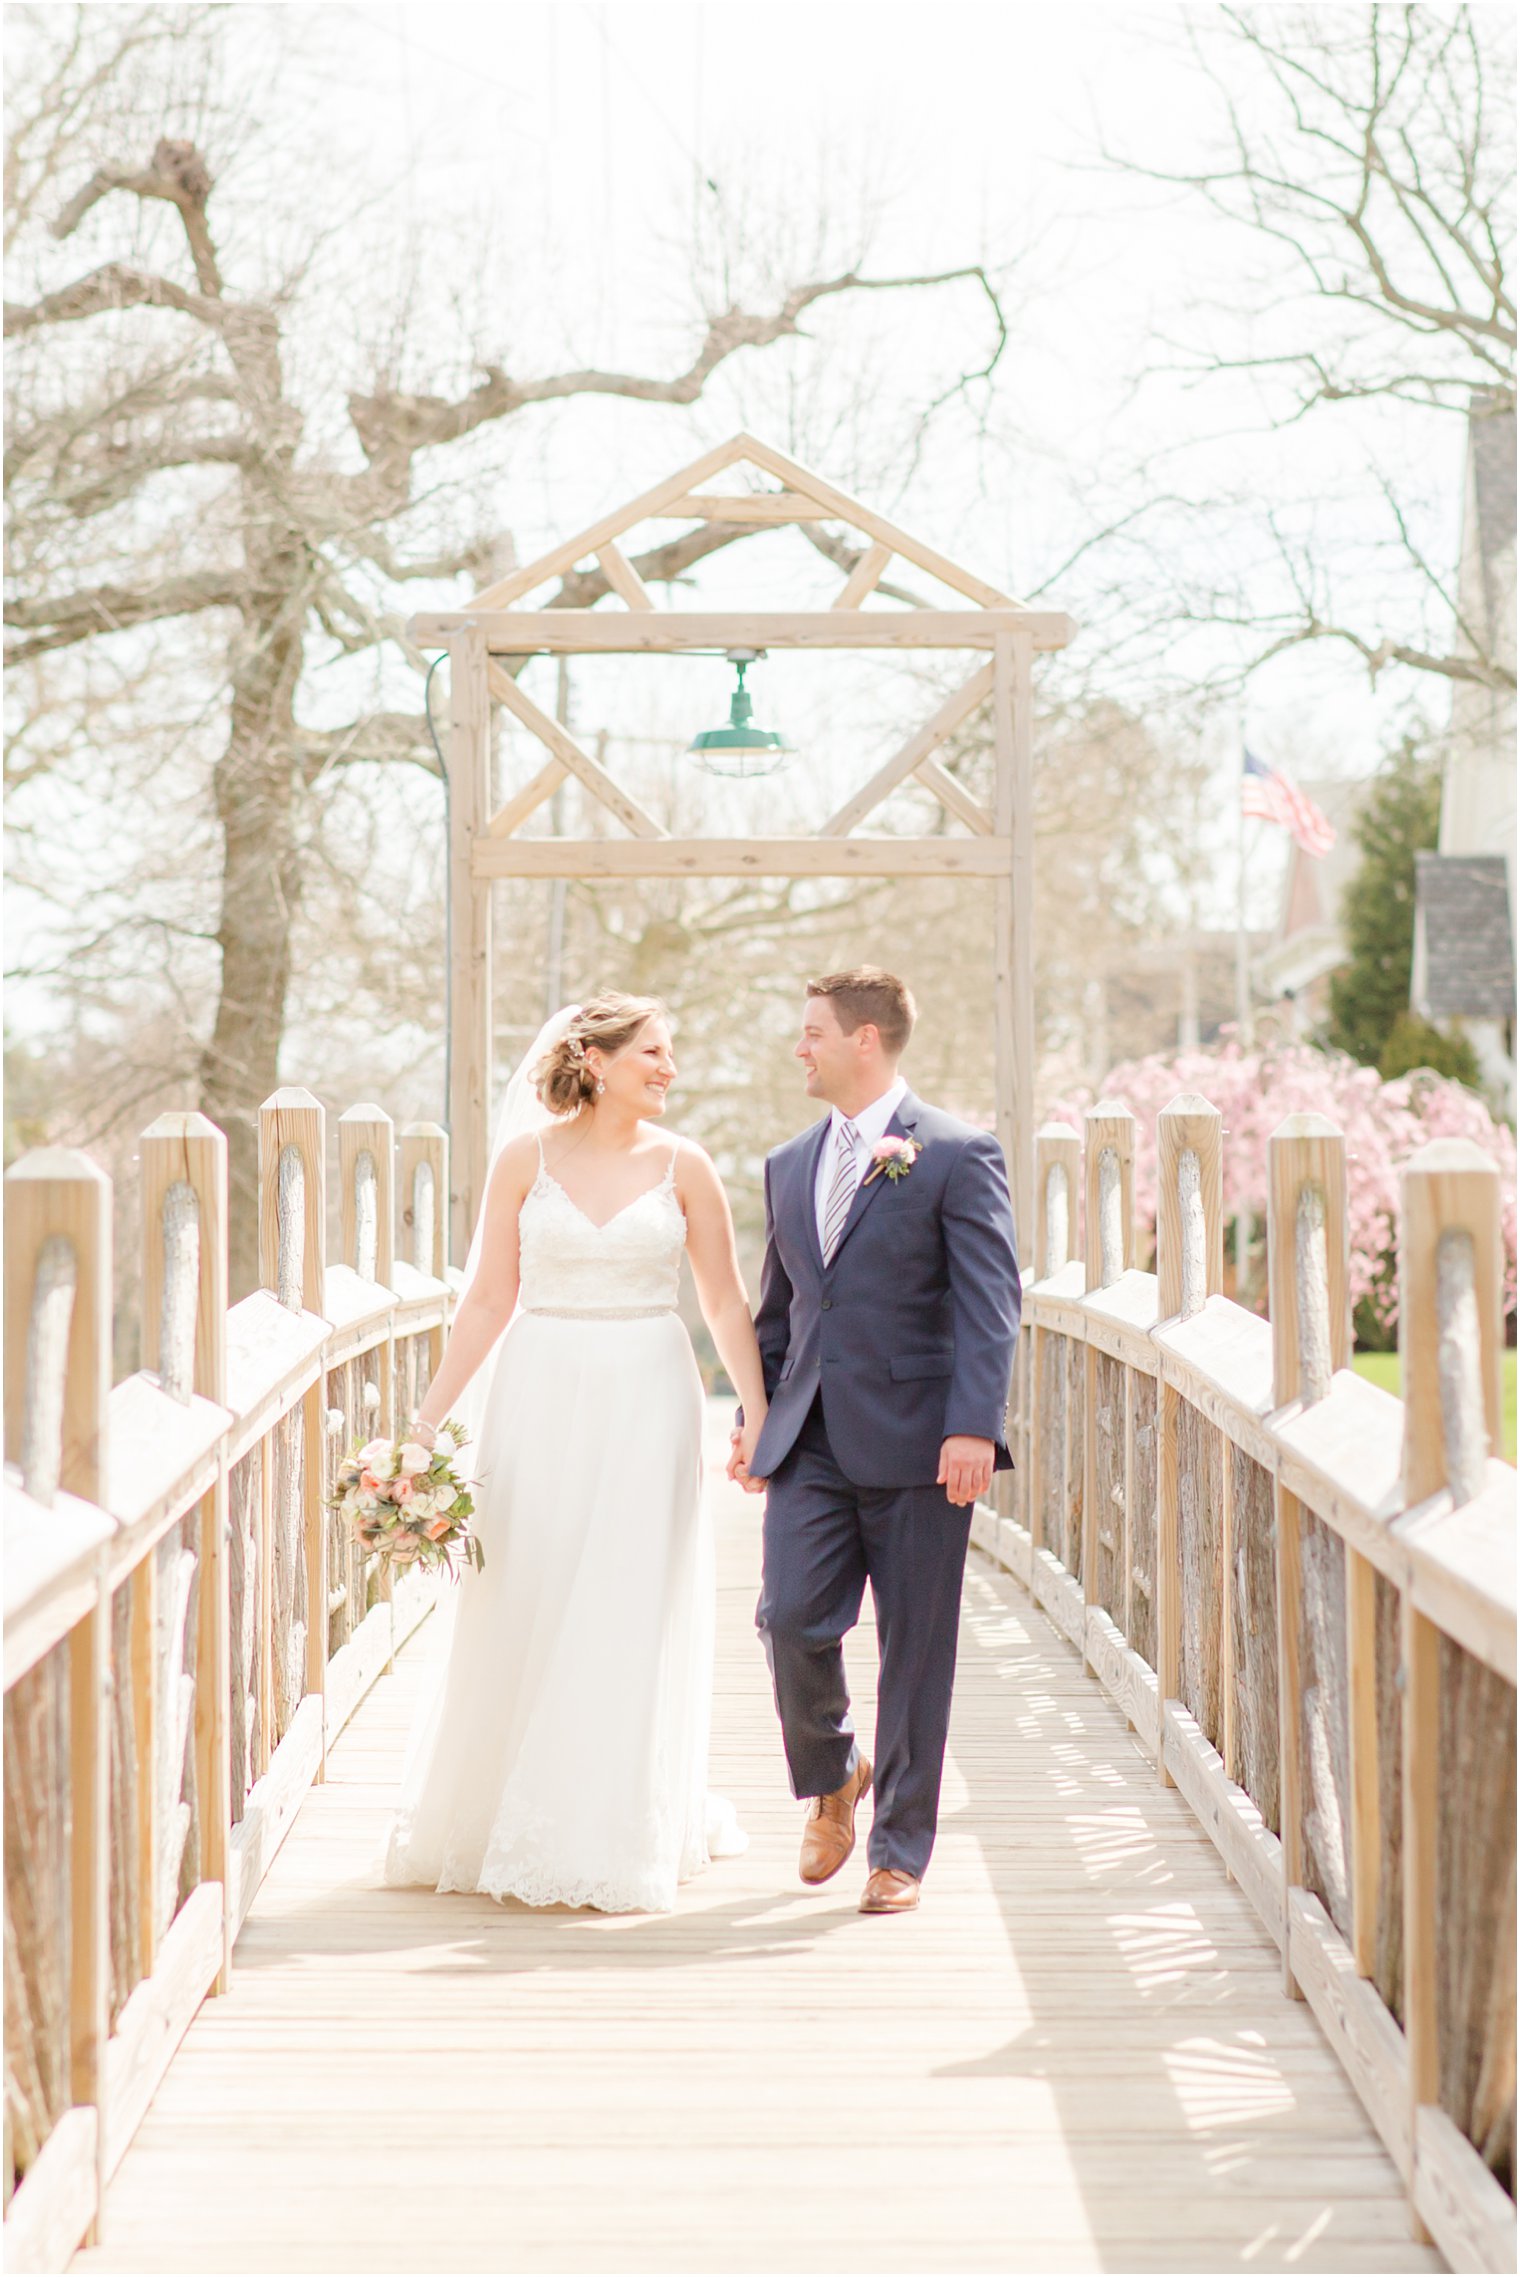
x=369, y=1484
x=402, y=1490
x=439, y=1527
x=887, y=1149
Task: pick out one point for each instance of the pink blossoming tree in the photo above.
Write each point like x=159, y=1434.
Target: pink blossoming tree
x=1385, y=1123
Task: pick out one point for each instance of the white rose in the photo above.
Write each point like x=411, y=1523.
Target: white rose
x=414, y=1458
x=372, y=1454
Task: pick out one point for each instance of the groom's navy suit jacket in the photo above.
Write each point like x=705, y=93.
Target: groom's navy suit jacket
x=908, y=1333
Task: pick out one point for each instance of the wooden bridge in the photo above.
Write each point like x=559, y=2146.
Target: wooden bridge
x=1216, y=1961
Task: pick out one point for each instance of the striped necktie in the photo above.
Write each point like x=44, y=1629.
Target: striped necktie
x=842, y=1191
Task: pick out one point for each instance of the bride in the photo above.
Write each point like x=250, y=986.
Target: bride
x=563, y=1759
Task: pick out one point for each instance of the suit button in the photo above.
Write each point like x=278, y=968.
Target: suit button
x=828, y=1304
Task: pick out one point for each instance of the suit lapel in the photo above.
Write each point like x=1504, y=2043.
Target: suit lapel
x=809, y=1188
x=902, y=1122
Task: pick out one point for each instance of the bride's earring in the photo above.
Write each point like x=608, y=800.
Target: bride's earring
x=600, y=1086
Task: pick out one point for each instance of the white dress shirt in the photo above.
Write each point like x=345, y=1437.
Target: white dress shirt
x=870, y=1125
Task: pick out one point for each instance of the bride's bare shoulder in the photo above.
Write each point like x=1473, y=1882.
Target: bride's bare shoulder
x=516, y=1167
x=687, y=1149
x=694, y=1166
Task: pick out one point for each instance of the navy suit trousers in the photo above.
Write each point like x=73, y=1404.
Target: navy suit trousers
x=825, y=1537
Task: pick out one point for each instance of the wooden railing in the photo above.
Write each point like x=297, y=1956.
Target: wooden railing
x=1301, y=1591
x=186, y=1626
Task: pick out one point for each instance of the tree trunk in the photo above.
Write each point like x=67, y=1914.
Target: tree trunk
x=256, y=788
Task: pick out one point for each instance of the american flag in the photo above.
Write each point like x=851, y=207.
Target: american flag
x=1270, y=795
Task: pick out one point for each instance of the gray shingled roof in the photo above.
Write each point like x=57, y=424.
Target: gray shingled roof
x=1463, y=900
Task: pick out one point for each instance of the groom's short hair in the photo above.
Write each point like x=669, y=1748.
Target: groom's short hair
x=867, y=994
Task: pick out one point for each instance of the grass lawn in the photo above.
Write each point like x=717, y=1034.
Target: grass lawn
x=1383, y=1368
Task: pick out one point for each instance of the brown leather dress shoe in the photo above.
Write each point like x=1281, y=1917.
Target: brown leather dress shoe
x=889, y=1890
x=829, y=1835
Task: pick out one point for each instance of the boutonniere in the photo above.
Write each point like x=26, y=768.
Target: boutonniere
x=892, y=1157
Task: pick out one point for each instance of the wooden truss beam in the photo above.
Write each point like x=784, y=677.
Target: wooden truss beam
x=623, y=577
x=740, y=858
x=752, y=506
x=570, y=755
x=842, y=507
x=798, y=482
x=528, y=800
x=641, y=509
x=588, y=632
x=864, y=577
x=955, y=797
x=956, y=708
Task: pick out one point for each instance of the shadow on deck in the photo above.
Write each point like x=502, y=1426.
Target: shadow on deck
x=1076, y=2056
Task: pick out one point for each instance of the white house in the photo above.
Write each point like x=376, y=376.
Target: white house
x=1464, y=944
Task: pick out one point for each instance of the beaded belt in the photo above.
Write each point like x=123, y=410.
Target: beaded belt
x=592, y=1312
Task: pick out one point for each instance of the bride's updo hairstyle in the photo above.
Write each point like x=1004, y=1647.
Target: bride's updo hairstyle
x=563, y=1078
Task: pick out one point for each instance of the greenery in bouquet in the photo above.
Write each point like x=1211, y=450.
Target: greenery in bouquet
x=408, y=1504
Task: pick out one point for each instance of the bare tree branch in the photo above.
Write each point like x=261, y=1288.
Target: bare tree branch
x=115, y=286
x=66, y=618
x=178, y=174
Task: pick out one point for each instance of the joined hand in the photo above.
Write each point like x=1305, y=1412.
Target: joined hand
x=738, y=1468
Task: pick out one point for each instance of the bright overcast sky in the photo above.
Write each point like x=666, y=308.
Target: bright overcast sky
x=549, y=186
x=560, y=160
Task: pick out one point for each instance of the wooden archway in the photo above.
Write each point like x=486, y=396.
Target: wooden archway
x=996, y=843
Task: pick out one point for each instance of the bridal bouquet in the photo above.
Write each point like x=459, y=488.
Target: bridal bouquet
x=408, y=1504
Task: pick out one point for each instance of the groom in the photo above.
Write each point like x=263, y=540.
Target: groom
x=889, y=1312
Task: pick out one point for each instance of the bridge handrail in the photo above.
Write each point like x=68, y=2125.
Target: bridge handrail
x=168, y=1695
x=1260, y=1447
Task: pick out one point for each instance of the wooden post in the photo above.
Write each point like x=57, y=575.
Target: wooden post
x=425, y=1211
x=292, y=1253
x=1021, y=835
x=1450, y=1316
x=366, y=1154
x=1308, y=1294
x=1421, y=1768
x=1108, y=1221
x=1189, y=1206
x=425, y=1147
x=293, y=1263
x=1004, y=921
x=1013, y=919
x=1366, y=1840
x=1189, y=1270
x=1058, y=1187
x=1308, y=1258
x=470, y=928
x=186, y=1150
x=58, y=1219
x=1450, y=1319
x=1058, y=1183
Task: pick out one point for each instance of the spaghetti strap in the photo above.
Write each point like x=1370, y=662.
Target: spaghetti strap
x=669, y=1178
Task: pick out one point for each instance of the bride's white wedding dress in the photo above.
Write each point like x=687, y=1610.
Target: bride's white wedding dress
x=563, y=1759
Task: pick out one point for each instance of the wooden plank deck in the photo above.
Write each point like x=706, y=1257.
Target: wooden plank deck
x=1077, y=2056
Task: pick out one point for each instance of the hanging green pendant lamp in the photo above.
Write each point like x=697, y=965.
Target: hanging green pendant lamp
x=740, y=748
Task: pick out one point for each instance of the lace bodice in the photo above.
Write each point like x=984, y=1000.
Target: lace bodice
x=569, y=1263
